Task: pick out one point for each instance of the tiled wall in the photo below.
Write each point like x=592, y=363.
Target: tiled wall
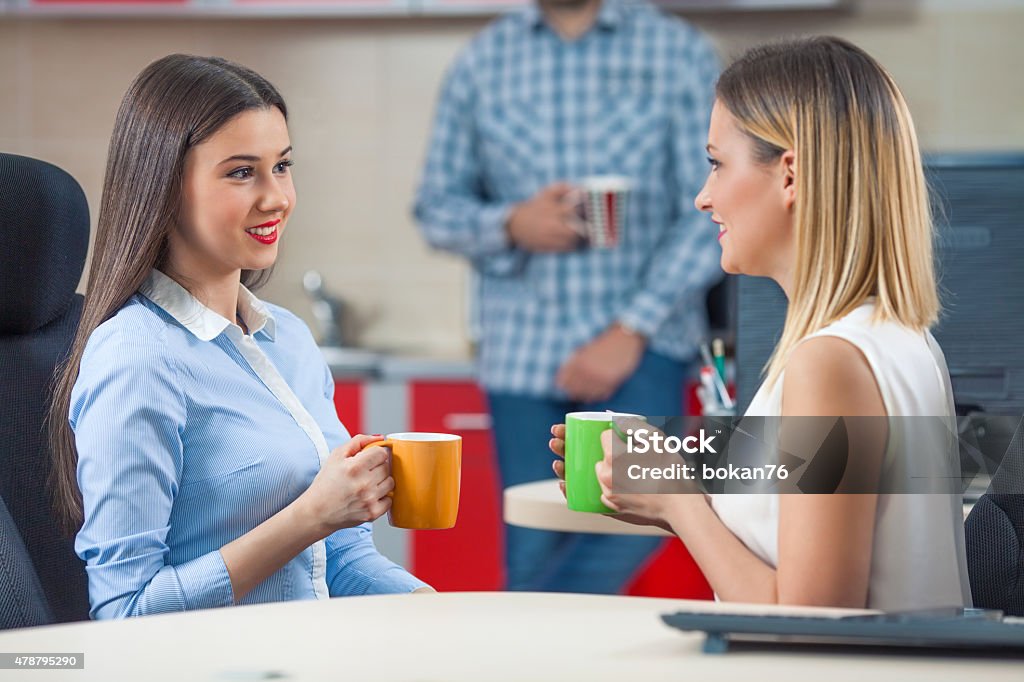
x=361, y=94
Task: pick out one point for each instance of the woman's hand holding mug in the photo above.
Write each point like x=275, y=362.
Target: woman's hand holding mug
x=353, y=486
x=557, y=446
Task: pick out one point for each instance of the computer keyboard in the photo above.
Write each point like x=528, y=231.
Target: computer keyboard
x=968, y=630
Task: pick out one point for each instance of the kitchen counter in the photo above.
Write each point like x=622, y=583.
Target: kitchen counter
x=354, y=364
x=407, y=368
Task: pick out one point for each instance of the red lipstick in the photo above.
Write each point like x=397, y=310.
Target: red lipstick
x=265, y=238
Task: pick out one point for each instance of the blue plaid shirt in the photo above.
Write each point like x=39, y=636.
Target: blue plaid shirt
x=522, y=108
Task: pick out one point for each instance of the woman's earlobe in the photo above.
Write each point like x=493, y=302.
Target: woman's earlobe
x=789, y=179
x=789, y=196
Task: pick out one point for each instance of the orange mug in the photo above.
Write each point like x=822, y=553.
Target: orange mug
x=427, y=468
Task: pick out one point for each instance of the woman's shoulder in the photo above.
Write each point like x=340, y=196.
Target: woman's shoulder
x=862, y=353
x=133, y=335
x=865, y=323
x=133, y=322
x=830, y=375
x=127, y=358
x=837, y=347
x=887, y=344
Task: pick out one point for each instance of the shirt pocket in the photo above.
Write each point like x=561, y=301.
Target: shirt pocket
x=515, y=140
x=631, y=135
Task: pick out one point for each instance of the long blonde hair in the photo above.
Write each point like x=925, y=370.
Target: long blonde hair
x=862, y=222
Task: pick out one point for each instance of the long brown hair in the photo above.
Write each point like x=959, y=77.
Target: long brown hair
x=176, y=103
x=862, y=221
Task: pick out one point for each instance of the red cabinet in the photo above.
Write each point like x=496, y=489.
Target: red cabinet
x=469, y=556
x=671, y=573
x=348, y=401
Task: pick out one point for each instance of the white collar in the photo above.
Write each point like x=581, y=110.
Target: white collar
x=202, y=322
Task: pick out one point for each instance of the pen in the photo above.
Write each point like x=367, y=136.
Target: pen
x=723, y=392
x=707, y=393
x=717, y=384
x=705, y=355
x=718, y=350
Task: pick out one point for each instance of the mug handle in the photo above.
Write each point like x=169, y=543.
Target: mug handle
x=386, y=443
x=575, y=198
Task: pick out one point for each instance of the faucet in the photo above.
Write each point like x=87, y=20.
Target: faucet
x=329, y=310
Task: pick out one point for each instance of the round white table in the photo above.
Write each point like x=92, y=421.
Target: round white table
x=452, y=637
x=542, y=505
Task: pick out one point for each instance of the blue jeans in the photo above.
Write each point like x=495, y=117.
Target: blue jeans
x=547, y=561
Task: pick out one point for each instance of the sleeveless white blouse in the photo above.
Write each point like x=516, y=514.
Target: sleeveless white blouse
x=918, y=558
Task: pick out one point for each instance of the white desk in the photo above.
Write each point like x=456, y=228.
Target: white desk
x=452, y=637
x=542, y=505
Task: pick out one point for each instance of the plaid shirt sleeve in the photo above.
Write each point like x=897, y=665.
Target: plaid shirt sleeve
x=686, y=262
x=452, y=207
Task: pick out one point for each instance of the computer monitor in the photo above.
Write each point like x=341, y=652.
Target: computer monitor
x=978, y=204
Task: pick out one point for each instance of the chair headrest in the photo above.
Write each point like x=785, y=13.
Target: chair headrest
x=45, y=236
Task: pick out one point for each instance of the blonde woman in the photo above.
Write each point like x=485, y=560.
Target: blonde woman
x=816, y=182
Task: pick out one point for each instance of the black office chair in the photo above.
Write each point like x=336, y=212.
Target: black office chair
x=995, y=536
x=22, y=602
x=45, y=238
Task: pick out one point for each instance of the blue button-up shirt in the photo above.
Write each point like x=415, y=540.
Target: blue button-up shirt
x=190, y=434
x=522, y=108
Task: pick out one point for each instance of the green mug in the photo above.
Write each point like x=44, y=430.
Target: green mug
x=582, y=452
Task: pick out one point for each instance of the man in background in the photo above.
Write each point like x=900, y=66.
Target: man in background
x=539, y=100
